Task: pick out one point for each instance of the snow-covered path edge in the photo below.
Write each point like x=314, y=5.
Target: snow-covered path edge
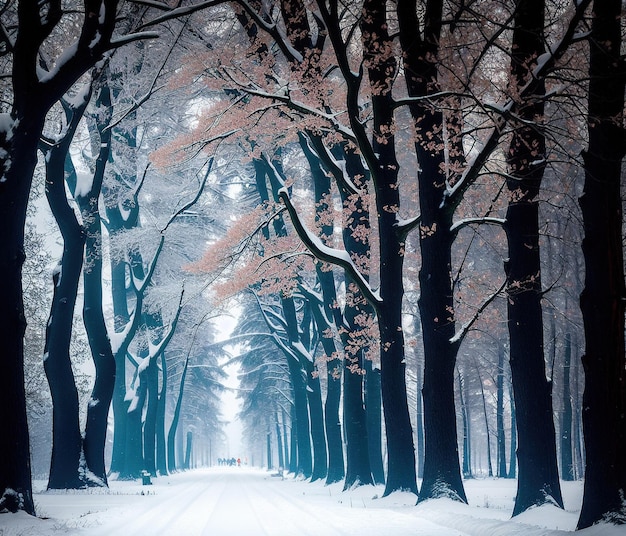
x=249, y=502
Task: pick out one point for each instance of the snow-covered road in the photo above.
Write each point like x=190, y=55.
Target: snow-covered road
x=249, y=502
x=243, y=501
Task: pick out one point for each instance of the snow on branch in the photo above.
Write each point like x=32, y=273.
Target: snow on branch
x=153, y=88
x=193, y=201
x=286, y=99
x=457, y=226
x=156, y=349
x=315, y=144
x=453, y=195
x=325, y=253
x=271, y=28
x=458, y=337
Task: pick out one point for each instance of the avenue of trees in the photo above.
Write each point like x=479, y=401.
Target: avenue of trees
x=413, y=208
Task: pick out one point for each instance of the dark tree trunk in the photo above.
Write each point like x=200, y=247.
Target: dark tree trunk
x=65, y=465
x=302, y=424
x=419, y=417
x=355, y=232
x=297, y=372
x=324, y=314
x=336, y=469
x=358, y=470
x=150, y=424
x=442, y=472
x=279, y=443
x=121, y=315
x=268, y=450
x=134, y=462
x=119, y=415
x=567, y=458
x=154, y=325
x=486, y=417
x=188, y=450
x=18, y=166
x=318, y=433
x=161, y=448
x=171, y=435
x=400, y=449
x=96, y=425
x=538, y=480
x=467, y=450
x=32, y=98
x=513, y=448
x=118, y=223
x=603, y=298
x=286, y=441
x=299, y=379
x=293, y=442
x=373, y=410
x=501, y=437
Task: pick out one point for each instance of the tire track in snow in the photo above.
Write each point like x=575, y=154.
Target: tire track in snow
x=170, y=515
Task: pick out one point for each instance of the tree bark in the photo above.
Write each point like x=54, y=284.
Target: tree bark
x=567, y=458
x=442, y=472
x=96, y=425
x=602, y=300
x=467, y=448
x=401, y=473
x=501, y=436
x=65, y=465
x=161, y=446
x=373, y=410
x=538, y=480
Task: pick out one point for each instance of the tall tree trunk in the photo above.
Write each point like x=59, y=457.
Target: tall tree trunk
x=121, y=315
x=501, y=437
x=188, y=450
x=358, y=471
x=467, y=444
x=65, y=465
x=578, y=436
x=293, y=442
x=134, y=462
x=442, y=472
x=486, y=417
x=513, y=447
x=538, y=480
x=161, y=447
x=18, y=165
x=419, y=417
x=279, y=443
x=318, y=433
x=150, y=424
x=567, y=459
x=381, y=67
x=286, y=441
x=373, y=410
x=603, y=298
x=96, y=425
x=172, y=466
x=328, y=320
x=297, y=372
x=336, y=468
x=33, y=96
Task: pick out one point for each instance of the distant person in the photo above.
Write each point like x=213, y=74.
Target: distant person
x=238, y=462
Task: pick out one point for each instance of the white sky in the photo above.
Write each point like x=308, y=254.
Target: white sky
x=230, y=404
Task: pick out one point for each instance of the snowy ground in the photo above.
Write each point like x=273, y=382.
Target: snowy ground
x=242, y=501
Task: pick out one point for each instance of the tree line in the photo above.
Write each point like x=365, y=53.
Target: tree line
x=385, y=151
